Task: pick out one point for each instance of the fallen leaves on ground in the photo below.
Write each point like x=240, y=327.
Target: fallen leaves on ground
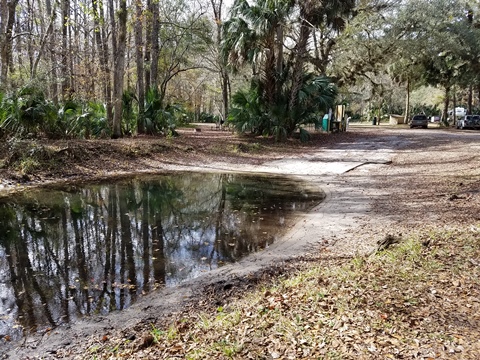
x=409, y=301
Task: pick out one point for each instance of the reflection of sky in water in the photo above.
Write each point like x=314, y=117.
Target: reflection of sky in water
x=94, y=249
x=180, y=266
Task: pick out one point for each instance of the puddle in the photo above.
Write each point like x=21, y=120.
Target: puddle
x=91, y=249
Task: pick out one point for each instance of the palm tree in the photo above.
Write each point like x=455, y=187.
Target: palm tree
x=313, y=13
x=279, y=88
x=254, y=35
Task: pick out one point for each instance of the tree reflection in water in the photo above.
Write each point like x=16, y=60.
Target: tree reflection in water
x=92, y=249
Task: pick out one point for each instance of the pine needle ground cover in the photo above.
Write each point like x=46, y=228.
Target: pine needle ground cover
x=417, y=299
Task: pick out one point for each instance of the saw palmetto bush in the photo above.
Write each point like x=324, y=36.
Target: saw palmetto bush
x=253, y=112
x=75, y=119
x=160, y=118
x=94, y=120
x=315, y=97
x=26, y=112
x=80, y=120
x=247, y=113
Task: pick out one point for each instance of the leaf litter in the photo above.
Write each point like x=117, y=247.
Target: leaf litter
x=407, y=302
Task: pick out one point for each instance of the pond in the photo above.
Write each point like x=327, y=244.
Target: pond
x=91, y=249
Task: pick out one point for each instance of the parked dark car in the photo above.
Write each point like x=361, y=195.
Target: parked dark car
x=419, y=121
x=476, y=120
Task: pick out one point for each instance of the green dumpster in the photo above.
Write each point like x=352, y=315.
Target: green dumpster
x=325, y=123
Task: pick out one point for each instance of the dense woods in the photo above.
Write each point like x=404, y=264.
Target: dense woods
x=120, y=67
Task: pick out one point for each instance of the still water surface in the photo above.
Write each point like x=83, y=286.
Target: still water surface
x=89, y=249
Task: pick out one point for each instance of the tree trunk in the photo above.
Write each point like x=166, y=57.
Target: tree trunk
x=27, y=26
x=119, y=70
x=139, y=60
x=8, y=21
x=407, y=103
x=225, y=93
x=90, y=55
x=224, y=78
x=3, y=35
x=113, y=25
x=298, y=69
x=446, y=103
x=65, y=54
x=113, y=35
x=279, y=66
x=148, y=45
x=73, y=39
x=478, y=95
x=454, y=112
x=102, y=47
x=43, y=42
x=155, y=45
x=3, y=22
x=128, y=54
x=470, y=99
x=51, y=48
